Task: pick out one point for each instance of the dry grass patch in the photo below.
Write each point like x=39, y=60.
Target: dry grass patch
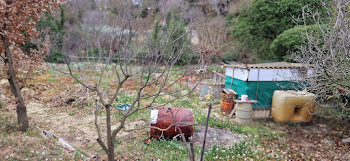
x=15, y=145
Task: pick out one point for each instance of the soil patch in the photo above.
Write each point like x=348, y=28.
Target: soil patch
x=220, y=137
x=77, y=129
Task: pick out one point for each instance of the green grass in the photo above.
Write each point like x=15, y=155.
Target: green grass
x=125, y=98
x=164, y=150
x=182, y=103
x=72, y=113
x=240, y=151
x=128, y=99
x=161, y=100
x=215, y=68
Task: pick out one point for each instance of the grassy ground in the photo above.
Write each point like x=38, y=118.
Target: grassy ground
x=265, y=139
x=30, y=145
x=174, y=150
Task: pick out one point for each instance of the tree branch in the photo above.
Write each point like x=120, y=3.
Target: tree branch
x=3, y=58
x=99, y=139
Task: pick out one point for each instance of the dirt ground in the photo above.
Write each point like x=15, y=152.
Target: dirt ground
x=49, y=110
x=216, y=136
x=320, y=139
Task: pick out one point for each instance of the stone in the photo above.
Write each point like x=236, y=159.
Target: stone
x=345, y=140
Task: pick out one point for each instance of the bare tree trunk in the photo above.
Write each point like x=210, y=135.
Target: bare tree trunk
x=110, y=137
x=21, y=108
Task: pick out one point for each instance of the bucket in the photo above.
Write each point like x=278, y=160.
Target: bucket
x=244, y=97
x=244, y=110
x=163, y=118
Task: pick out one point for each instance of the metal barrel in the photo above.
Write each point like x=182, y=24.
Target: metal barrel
x=169, y=122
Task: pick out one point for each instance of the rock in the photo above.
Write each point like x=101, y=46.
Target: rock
x=194, y=38
x=346, y=140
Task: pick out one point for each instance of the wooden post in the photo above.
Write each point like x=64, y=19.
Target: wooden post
x=205, y=133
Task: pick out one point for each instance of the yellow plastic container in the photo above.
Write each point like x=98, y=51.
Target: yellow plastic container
x=292, y=106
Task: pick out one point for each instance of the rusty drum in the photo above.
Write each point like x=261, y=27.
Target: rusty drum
x=227, y=100
x=173, y=121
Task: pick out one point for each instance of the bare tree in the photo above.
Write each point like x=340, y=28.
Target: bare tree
x=211, y=35
x=166, y=6
x=105, y=47
x=327, y=53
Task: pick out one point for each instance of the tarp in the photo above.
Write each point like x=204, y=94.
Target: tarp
x=265, y=74
x=262, y=91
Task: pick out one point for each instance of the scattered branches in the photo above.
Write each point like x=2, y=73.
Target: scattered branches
x=327, y=52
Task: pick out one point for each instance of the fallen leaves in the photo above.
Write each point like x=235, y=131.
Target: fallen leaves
x=312, y=142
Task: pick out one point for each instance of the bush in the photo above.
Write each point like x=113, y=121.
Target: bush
x=240, y=55
x=230, y=56
x=266, y=20
x=56, y=32
x=55, y=57
x=289, y=41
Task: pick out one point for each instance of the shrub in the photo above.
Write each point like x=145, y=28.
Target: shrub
x=266, y=20
x=230, y=56
x=55, y=57
x=289, y=41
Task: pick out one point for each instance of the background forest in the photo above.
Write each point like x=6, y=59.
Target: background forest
x=244, y=31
